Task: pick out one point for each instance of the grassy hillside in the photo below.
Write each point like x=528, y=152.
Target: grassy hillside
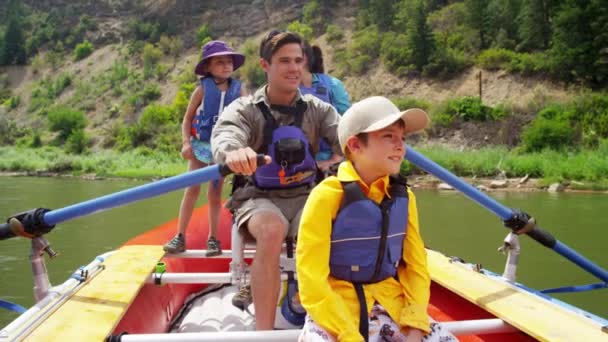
x=118, y=74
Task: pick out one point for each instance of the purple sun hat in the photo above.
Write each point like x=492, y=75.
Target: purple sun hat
x=218, y=48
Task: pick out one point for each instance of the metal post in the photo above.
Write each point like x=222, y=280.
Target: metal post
x=42, y=284
x=480, y=87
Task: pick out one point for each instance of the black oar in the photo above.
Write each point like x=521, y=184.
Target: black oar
x=520, y=222
x=40, y=221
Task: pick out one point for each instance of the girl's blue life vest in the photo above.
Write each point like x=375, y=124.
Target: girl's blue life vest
x=321, y=90
x=292, y=163
x=367, y=238
x=205, y=119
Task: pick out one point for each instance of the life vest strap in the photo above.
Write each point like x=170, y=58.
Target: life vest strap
x=270, y=124
x=363, y=323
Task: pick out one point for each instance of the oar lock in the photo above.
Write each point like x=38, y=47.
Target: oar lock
x=30, y=224
x=521, y=222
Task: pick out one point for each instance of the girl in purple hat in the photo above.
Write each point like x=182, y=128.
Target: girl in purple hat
x=216, y=90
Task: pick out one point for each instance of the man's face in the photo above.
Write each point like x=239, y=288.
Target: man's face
x=285, y=69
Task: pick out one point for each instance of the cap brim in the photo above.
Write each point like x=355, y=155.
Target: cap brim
x=415, y=120
x=237, y=61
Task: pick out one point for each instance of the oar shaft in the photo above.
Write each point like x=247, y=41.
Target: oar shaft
x=503, y=212
x=470, y=191
x=134, y=194
x=580, y=260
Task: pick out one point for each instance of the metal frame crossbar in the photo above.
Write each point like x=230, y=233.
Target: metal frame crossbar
x=457, y=328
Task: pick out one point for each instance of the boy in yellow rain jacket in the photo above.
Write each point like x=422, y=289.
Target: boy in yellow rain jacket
x=361, y=262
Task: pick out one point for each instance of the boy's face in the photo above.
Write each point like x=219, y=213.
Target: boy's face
x=383, y=152
x=285, y=68
x=220, y=66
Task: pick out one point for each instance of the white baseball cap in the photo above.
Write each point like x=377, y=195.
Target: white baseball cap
x=375, y=113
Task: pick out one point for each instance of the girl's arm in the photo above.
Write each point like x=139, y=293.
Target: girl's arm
x=195, y=101
x=414, y=275
x=324, y=165
x=325, y=307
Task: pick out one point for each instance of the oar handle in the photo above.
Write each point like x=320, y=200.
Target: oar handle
x=225, y=169
x=505, y=213
x=40, y=221
x=5, y=231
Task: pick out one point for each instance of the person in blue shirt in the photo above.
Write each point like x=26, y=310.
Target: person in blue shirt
x=327, y=88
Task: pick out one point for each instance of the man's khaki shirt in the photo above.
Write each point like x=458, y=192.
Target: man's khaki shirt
x=241, y=124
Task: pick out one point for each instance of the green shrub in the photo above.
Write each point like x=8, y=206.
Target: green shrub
x=83, y=49
x=181, y=101
x=36, y=140
x=356, y=58
x=396, y=54
x=156, y=115
x=203, y=35
x=150, y=57
x=586, y=114
x=526, y=63
x=12, y=102
x=494, y=59
x=360, y=64
x=9, y=130
x=118, y=73
x=445, y=63
x=145, y=31
x=334, y=34
x=170, y=45
x=63, y=81
x=470, y=108
x=30, y=139
x=529, y=63
x=65, y=121
x=77, y=142
x=303, y=30
x=547, y=134
x=404, y=103
x=150, y=92
x=367, y=42
x=251, y=71
x=313, y=17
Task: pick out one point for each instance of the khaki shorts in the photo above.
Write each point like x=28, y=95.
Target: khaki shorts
x=287, y=205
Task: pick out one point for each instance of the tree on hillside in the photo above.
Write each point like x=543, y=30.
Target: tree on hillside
x=377, y=12
x=314, y=16
x=433, y=5
x=534, y=25
x=580, y=41
x=479, y=19
x=12, y=50
x=420, y=36
x=503, y=26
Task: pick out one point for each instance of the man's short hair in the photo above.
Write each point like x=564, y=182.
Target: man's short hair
x=274, y=40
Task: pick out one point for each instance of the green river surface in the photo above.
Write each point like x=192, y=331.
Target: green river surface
x=450, y=223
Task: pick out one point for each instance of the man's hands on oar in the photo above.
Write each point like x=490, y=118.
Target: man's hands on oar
x=245, y=161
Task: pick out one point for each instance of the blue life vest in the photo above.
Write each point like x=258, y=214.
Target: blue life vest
x=292, y=162
x=205, y=119
x=367, y=238
x=321, y=90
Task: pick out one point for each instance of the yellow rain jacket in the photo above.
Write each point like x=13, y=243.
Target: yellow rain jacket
x=332, y=303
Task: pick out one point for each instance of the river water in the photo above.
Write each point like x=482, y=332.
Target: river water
x=450, y=223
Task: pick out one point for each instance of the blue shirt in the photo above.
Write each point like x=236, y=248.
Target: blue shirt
x=338, y=93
